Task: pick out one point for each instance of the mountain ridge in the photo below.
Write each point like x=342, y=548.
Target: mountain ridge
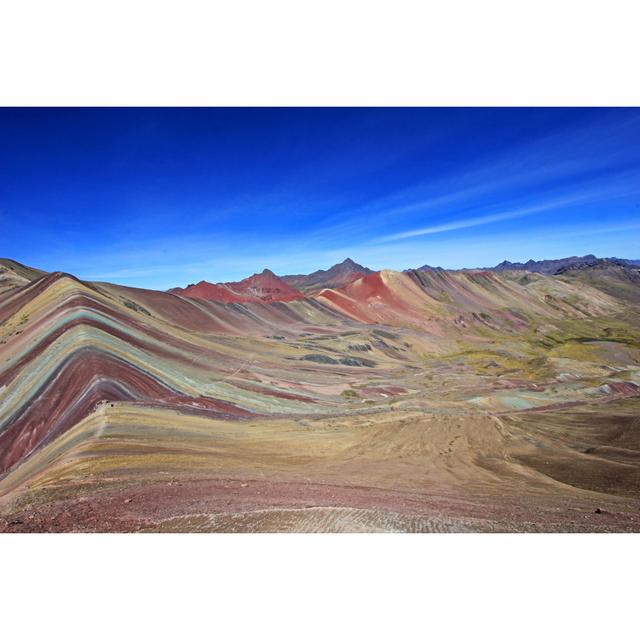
x=338, y=275
x=558, y=265
x=263, y=287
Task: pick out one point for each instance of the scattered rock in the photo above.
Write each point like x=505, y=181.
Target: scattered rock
x=385, y=334
x=357, y=362
x=359, y=347
x=134, y=306
x=318, y=357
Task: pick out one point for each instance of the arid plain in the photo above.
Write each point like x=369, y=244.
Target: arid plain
x=347, y=400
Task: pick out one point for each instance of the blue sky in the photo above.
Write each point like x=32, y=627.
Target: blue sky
x=164, y=197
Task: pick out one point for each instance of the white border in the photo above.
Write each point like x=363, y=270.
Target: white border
x=330, y=52
x=315, y=586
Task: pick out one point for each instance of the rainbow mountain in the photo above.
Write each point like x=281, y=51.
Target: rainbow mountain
x=353, y=400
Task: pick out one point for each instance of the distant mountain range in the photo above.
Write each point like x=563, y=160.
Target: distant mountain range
x=551, y=267
x=267, y=287
x=555, y=267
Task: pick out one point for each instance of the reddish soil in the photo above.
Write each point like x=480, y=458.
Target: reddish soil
x=261, y=287
x=209, y=291
x=145, y=508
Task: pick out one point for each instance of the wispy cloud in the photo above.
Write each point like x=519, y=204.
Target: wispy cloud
x=460, y=224
x=476, y=221
x=537, y=166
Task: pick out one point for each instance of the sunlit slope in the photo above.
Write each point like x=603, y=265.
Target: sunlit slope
x=150, y=468
x=623, y=283
x=465, y=302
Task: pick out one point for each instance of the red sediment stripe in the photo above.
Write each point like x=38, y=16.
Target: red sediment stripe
x=156, y=348
x=276, y=393
x=74, y=390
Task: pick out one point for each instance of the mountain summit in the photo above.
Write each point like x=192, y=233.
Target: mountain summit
x=337, y=276
x=266, y=286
